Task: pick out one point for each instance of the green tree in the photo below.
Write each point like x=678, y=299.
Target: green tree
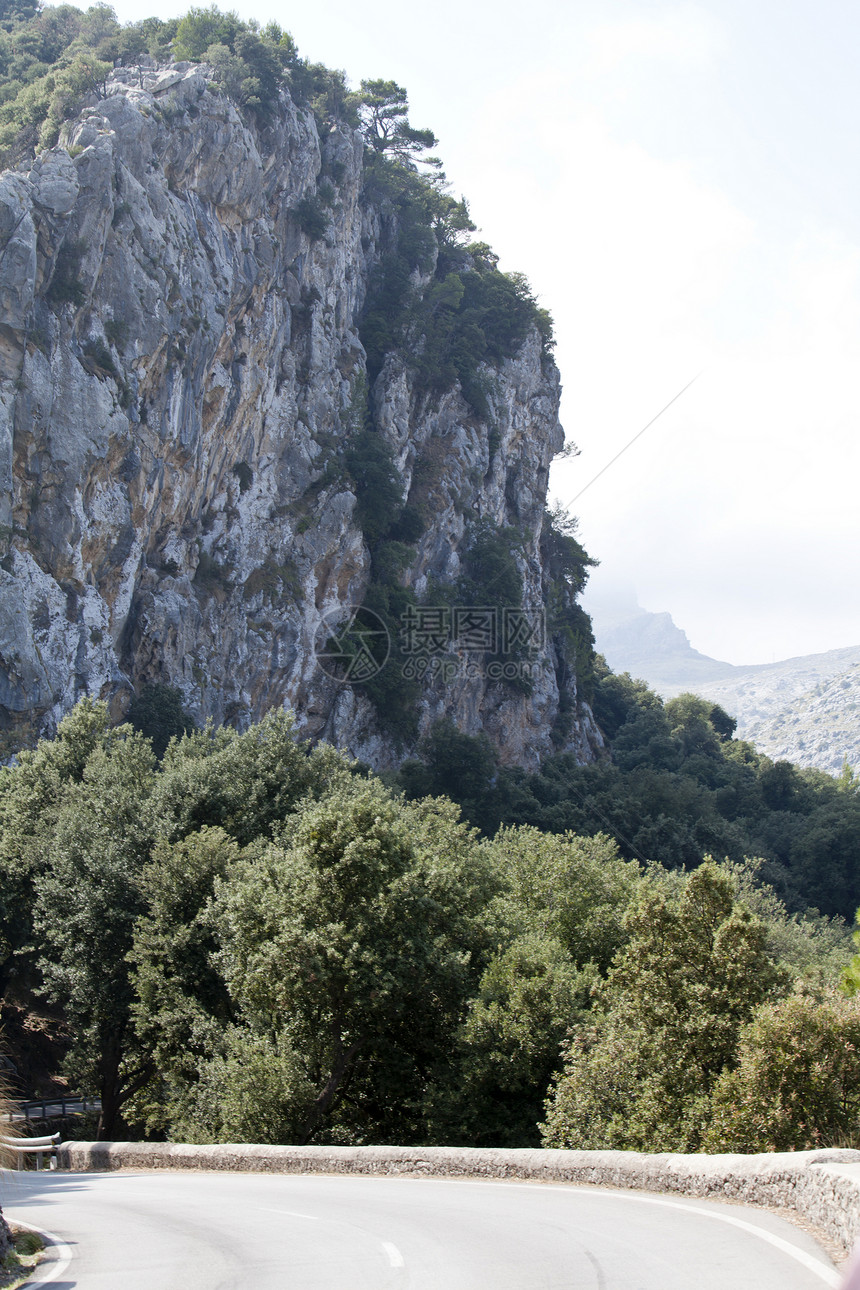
x=88, y=901
x=32, y=794
x=383, y=108
x=558, y=920
x=567, y=561
x=824, y=852
x=508, y=1046
x=848, y=781
x=575, y=890
x=246, y=784
x=201, y=28
x=249, y=71
x=216, y=791
x=254, y=1089
x=851, y=974
x=379, y=490
x=14, y=11
x=566, y=565
x=458, y=766
x=181, y=1006
x=157, y=712
x=618, y=698
x=354, y=943
x=796, y=1086
x=690, y=976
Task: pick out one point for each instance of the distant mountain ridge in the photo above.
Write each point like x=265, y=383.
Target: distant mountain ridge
x=653, y=647
x=805, y=710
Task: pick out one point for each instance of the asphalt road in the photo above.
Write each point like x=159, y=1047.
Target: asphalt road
x=220, y=1231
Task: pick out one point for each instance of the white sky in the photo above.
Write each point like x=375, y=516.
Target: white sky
x=681, y=184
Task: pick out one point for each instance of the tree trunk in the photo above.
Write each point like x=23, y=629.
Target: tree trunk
x=5, y=1237
x=343, y=1058
x=116, y=1088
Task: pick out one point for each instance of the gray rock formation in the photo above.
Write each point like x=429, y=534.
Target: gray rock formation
x=179, y=365
x=805, y=710
x=647, y=645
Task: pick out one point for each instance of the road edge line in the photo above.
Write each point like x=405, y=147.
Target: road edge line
x=52, y=1241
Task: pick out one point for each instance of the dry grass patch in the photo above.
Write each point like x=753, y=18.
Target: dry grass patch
x=27, y=1250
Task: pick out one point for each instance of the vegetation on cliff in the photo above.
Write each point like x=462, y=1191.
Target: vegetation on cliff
x=52, y=57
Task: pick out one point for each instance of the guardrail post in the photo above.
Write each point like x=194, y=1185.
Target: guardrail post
x=32, y=1146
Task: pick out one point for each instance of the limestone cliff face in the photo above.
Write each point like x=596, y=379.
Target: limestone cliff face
x=180, y=363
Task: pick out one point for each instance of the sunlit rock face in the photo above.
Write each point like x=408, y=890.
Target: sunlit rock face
x=180, y=364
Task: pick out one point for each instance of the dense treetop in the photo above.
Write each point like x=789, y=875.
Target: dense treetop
x=250, y=939
x=51, y=57
x=676, y=786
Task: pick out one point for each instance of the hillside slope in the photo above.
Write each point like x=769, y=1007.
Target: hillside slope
x=805, y=710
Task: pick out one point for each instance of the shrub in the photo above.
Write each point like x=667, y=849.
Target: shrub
x=256, y=1089
x=692, y=974
x=211, y=576
x=201, y=28
x=797, y=1082
x=370, y=462
x=491, y=579
x=244, y=474
x=469, y=314
x=409, y=526
x=393, y=694
x=310, y=212
x=100, y=358
x=456, y=765
x=116, y=331
x=65, y=286
x=274, y=581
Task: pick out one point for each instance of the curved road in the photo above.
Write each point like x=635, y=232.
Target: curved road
x=220, y=1231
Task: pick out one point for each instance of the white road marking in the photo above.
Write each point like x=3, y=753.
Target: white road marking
x=52, y=1270
x=827, y=1274
x=395, y=1258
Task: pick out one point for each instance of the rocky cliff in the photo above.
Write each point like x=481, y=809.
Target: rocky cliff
x=182, y=376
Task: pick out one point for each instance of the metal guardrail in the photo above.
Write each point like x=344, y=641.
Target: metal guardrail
x=33, y=1146
x=53, y=1108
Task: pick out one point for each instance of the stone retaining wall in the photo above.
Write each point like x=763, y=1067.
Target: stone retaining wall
x=821, y=1186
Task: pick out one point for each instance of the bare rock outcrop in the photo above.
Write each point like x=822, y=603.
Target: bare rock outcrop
x=179, y=368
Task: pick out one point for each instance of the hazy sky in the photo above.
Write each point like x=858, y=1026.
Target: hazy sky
x=681, y=184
